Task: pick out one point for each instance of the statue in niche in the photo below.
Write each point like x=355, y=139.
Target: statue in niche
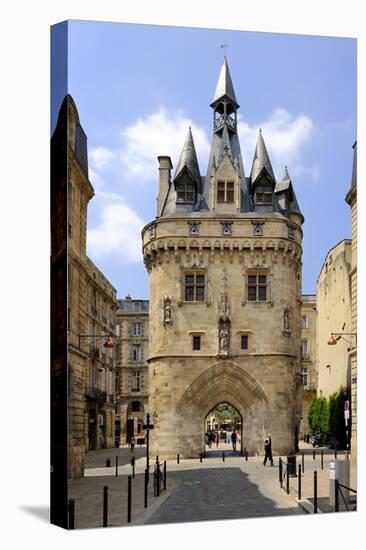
x=167, y=309
x=224, y=337
x=286, y=319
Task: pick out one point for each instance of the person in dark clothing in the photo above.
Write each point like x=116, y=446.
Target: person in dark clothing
x=233, y=440
x=268, y=450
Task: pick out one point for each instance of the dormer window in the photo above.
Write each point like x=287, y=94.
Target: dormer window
x=225, y=191
x=185, y=190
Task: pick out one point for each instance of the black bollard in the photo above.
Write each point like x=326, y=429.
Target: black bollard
x=200, y=457
x=280, y=470
x=223, y=457
x=303, y=463
x=246, y=456
x=116, y=466
x=335, y=453
x=105, y=506
x=322, y=460
x=146, y=485
x=107, y=462
x=315, y=492
x=336, y=495
x=157, y=460
x=129, y=499
x=71, y=510
x=314, y=454
x=177, y=459
x=133, y=466
x=164, y=478
x=157, y=479
x=299, y=482
x=287, y=481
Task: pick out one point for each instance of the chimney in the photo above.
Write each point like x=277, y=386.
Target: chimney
x=165, y=166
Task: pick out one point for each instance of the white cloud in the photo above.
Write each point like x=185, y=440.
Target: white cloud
x=284, y=135
x=341, y=124
x=100, y=157
x=118, y=234
x=160, y=133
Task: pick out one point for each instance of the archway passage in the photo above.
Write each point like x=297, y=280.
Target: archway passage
x=223, y=431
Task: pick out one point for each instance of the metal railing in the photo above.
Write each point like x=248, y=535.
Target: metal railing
x=338, y=491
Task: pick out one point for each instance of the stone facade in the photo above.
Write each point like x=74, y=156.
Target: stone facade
x=224, y=259
x=333, y=300
x=91, y=315
x=132, y=380
x=351, y=199
x=308, y=356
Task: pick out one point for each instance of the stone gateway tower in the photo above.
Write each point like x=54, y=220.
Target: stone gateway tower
x=224, y=258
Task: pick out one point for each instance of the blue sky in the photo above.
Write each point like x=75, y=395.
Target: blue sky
x=138, y=88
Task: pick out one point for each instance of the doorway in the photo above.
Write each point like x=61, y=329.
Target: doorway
x=223, y=431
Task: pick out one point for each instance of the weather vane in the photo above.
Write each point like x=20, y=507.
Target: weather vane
x=225, y=46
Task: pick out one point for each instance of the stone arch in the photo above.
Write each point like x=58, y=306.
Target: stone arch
x=223, y=381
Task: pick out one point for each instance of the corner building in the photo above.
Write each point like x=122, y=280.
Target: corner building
x=224, y=258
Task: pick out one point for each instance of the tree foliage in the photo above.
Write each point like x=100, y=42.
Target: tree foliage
x=326, y=416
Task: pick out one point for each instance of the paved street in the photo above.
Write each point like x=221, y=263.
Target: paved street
x=196, y=491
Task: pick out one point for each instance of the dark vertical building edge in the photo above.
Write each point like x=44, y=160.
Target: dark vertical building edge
x=59, y=363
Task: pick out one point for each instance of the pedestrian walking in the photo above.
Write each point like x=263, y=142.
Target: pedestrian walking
x=132, y=443
x=233, y=440
x=217, y=439
x=268, y=450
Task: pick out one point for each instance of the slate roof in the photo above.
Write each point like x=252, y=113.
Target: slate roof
x=224, y=85
x=261, y=160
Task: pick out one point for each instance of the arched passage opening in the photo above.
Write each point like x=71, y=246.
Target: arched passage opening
x=223, y=430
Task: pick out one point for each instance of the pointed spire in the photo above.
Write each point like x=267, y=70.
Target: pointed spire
x=261, y=160
x=188, y=159
x=224, y=85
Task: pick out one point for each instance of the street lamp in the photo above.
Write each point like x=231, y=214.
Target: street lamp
x=336, y=336
x=108, y=344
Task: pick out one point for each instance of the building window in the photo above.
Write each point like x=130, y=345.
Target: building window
x=137, y=306
x=185, y=190
x=225, y=191
x=194, y=287
x=304, y=373
x=94, y=301
x=257, y=287
x=136, y=381
x=196, y=342
x=244, y=342
x=118, y=329
x=136, y=352
x=117, y=350
x=104, y=311
x=304, y=349
x=263, y=195
x=304, y=321
x=136, y=329
x=102, y=379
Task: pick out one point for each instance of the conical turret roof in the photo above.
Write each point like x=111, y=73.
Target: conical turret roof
x=225, y=85
x=188, y=159
x=261, y=160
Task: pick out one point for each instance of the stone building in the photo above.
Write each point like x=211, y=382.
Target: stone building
x=333, y=302
x=224, y=259
x=308, y=356
x=132, y=383
x=91, y=316
x=351, y=199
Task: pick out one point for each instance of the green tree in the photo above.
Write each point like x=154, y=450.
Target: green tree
x=319, y=416
x=337, y=426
